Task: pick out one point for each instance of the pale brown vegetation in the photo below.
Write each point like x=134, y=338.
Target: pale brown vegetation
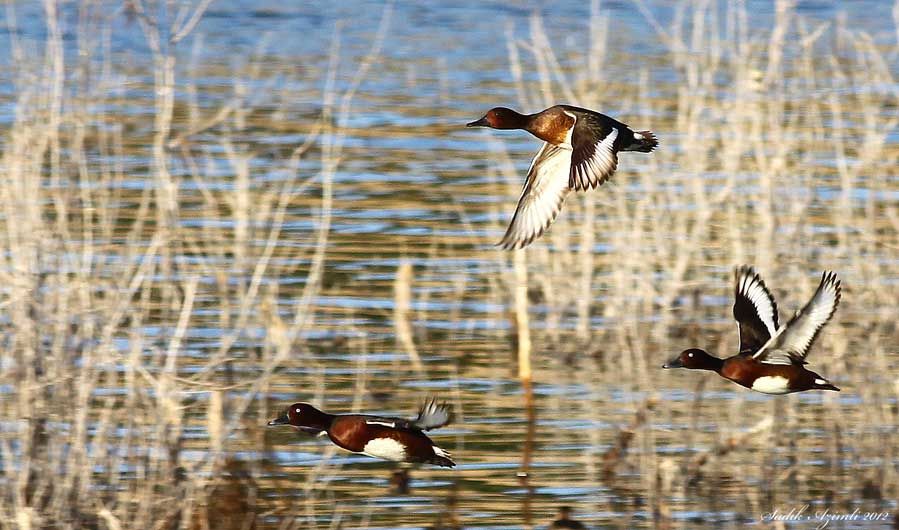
x=156, y=283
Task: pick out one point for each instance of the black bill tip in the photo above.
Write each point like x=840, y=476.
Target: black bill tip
x=280, y=420
x=674, y=363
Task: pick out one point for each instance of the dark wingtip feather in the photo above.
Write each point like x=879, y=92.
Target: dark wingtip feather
x=831, y=278
x=510, y=243
x=745, y=269
x=749, y=270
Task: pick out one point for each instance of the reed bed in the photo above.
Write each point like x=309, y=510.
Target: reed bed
x=175, y=271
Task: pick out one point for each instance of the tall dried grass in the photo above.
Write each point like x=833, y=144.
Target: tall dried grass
x=145, y=311
x=759, y=129
x=104, y=283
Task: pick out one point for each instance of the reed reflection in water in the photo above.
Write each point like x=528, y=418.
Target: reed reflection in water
x=212, y=210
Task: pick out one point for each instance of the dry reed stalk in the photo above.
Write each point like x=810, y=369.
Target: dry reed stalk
x=522, y=325
x=612, y=458
x=769, y=150
x=527, y=450
x=84, y=330
x=729, y=444
x=402, y=302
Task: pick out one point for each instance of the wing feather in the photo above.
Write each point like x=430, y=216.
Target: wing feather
x=754, y=310
x=593, y=163
x=792, y=342
x=541, y=199
x=432, y=415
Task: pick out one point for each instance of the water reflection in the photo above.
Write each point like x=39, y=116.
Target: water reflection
x=146, y=346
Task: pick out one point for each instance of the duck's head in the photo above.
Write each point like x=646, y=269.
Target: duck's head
x=304, y=417
x=694, y=358
x=499, y=118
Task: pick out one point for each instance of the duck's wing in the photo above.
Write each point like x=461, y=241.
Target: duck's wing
x=432, y=415
x=792, y=342
x=541, y=199
x=593, y=158
x=754, y=310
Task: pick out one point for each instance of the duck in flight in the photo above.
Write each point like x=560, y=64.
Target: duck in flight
x=772, y=357
x=395, y=439
x=580, y=152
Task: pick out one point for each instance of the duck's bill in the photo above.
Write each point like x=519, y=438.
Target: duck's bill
x=479, y=123
x=674, y=363
x=280, y=420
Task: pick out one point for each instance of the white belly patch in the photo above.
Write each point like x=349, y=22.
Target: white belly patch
x=386, y=448
x=771, y=384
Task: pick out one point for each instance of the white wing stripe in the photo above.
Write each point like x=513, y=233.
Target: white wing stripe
x=598, y=167
x=794, y=340
x=384, y=423
x=541, y=199
x=755, y=292
x=815, y=314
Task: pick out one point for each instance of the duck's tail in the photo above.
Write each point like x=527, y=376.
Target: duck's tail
x=644, y=141
x=824, y=384
x=441, y=458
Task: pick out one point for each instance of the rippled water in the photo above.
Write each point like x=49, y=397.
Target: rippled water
x=603, y=429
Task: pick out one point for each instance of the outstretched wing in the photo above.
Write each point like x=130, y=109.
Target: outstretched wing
x=792, y=343
x=754, y=310
x=593, y=159
x=541, y=200
x=432, y=415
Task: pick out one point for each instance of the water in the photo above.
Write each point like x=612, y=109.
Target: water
x=603, y=430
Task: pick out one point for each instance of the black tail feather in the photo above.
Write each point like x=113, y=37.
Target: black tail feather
x=644, y=141
x=441, y=458
x=442, y=462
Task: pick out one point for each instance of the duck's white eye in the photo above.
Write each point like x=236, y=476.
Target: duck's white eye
x=297, y=410
x=688, y=355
